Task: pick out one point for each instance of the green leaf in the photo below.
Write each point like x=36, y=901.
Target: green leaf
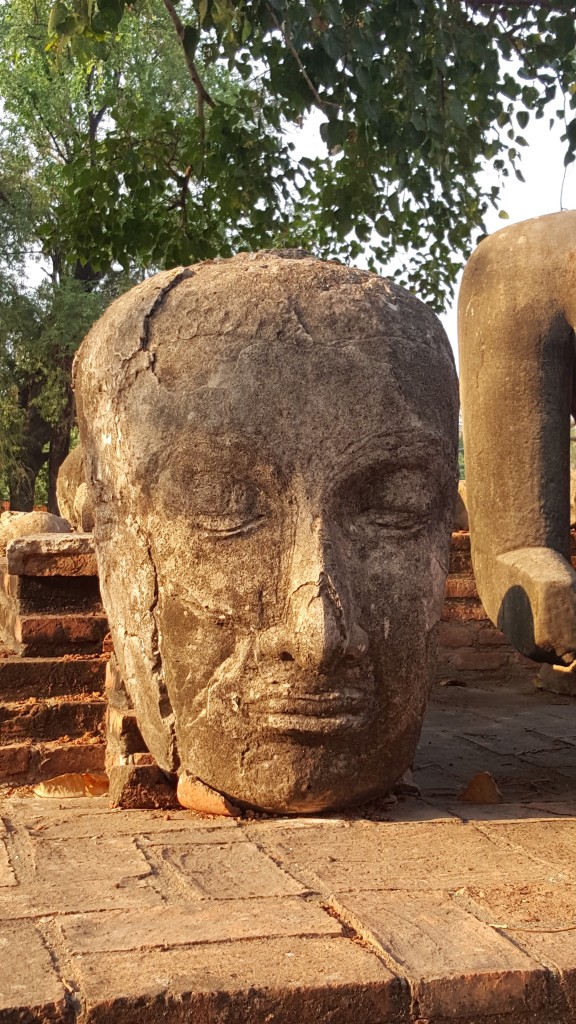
x=59, y=15
x=108, y=16
x=522, y=117
x=503, y=215
x=334, y=133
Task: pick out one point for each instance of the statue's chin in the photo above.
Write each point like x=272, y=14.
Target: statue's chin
x=302, y=772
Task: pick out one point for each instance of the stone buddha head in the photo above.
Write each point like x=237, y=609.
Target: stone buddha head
x=271, y=443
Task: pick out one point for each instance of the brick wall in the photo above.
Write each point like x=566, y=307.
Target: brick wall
x=470, y=646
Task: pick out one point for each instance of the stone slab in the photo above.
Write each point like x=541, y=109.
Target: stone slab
x=539, y=919
x=460, y=883
x=7, y=876
x=30, y=990
x=154, y=827
x=500, y=740
x=457, y=966
x=552, y=844
x=517, y=778
x=52, y=554
x=189, y=924
x=427, y=856
x=281, y=981
x=114, y=859
x=88, y=895
x=230, y=871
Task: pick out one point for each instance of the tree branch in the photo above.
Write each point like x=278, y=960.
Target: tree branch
x=62, y=153
x=317, y=97
x=203, y=93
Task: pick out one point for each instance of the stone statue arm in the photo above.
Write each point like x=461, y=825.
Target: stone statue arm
x=516, y=315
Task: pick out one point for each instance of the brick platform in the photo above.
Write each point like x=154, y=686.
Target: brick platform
x=470, y=646
x=427, y=910
x=52, y=629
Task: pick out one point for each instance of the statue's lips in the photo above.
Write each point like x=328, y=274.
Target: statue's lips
x=326, y=711
x=282, y=697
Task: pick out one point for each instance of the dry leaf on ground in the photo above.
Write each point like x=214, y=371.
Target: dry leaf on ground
x=73, y=784
x=482, y=789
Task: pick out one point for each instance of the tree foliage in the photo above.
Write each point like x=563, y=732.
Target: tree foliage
x=135, y=136
x=415, y=98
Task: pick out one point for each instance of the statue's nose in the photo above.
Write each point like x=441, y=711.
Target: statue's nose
x=320, y=624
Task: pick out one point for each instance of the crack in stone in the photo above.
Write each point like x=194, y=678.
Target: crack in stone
x=183, y=275
x=144, y=338
x=164, y=703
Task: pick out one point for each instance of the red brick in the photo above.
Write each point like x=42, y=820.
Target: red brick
x=51, y=677
x=14, y=760
x=30, y=990
x=489, y=636
x=460, y=541
x=329, y=980
x=457, y=965
x=479, y=661
x=54, y=554
x=463, y=609
x=141, y=786
x=50, y=594
x=70, y=630
x=49, y=721
x=456, y=634
x=461, y=586
x=57, y=759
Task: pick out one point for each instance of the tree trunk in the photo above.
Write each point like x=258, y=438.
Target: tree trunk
x=21, y=485
x=60, y=445
x=22, y=477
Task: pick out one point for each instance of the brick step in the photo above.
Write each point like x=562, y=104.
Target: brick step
x=25, y=763
x=55, y=631
x=44, y=635
x=52, y=554
x=51, y=719
x=50, y=677
x=50, y=594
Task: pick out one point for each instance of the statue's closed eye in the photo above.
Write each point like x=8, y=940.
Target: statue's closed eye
x=225, y=505
x=395, y=500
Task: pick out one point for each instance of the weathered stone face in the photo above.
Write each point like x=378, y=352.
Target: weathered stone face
x=271, y=444
x=72, y=493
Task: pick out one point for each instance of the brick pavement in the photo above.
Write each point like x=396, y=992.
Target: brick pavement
x=427, y=909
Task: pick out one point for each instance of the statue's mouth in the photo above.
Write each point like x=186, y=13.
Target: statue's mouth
x=286, y=698
x=325, y=710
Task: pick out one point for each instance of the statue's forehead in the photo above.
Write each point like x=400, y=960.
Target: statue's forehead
x=308, y=405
